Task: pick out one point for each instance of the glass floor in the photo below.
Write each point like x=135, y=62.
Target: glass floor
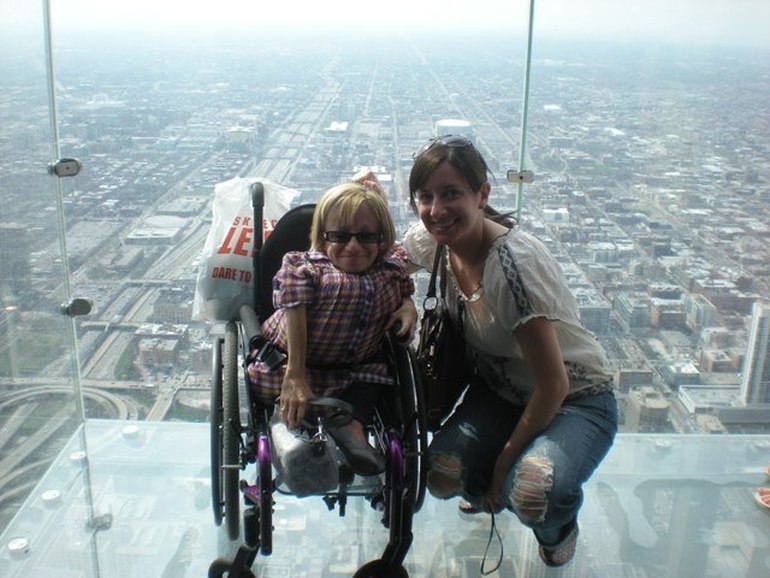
x=132, y=499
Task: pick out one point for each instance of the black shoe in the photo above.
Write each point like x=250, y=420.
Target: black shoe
x=362, y=458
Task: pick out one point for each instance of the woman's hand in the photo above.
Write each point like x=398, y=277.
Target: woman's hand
x=493, y=499
x=368, y=179
x=540, y=347
x=295, y=395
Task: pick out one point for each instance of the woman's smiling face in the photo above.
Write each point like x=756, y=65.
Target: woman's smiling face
x=447, y=205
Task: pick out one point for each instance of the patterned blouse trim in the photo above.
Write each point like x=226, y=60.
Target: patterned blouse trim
x=515, y=282
x=594, y=389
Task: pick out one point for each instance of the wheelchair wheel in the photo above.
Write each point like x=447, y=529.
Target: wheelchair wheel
x=395, y=489
x=258, y=519
x=222, y=567
x=215, y=431
x=415, y=432
x=381, y=569
x=265, y=495
x=231, y=427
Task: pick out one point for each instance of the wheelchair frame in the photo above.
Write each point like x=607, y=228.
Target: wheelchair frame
x=400, y=429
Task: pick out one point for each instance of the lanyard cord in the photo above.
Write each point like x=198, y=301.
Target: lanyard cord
x=492, y=533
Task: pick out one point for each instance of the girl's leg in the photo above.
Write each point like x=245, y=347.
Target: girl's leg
x=544, y=488
x=363, y=397
x=462, y=455
x=351, y=439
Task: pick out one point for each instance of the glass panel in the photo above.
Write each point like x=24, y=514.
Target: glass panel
x=648, y=134
x=630, y=137
x=39, y=404
x=671, y=506
x=165, y=110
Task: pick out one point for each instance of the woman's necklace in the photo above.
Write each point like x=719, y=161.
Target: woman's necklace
x=467, y=275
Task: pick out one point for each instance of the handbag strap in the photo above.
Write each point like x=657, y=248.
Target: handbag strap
x=430, y=303
x=442, y=254
x=439, y=263
x=432, y=283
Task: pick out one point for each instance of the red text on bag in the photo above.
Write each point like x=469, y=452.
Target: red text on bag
x=236, y=240
x=230, y=273
x=267, y=227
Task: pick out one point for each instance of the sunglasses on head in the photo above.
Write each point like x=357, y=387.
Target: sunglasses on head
x=342, y=237
x=448, y=140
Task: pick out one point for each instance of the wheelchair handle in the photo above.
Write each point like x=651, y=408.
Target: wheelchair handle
x=251, y=326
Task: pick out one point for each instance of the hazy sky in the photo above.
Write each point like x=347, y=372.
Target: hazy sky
x=731, y=21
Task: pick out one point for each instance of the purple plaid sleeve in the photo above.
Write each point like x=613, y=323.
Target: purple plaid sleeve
x=294, y=283
x=399, y=257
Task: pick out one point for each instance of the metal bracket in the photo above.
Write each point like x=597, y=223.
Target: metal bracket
x=103, y=522
x=77, y=306
x=65, y=167
x=520, y=176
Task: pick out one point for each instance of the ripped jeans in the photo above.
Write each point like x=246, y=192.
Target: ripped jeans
x=544, y=486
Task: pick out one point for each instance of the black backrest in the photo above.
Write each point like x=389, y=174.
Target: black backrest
x=291, y=233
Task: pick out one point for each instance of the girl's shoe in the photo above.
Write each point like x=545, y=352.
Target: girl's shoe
x=362, y=458
x=561, y=553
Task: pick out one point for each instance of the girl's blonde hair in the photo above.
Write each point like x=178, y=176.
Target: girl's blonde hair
x=345, y=200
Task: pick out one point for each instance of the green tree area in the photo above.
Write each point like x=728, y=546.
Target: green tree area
x=125, y=368
x=33, y=344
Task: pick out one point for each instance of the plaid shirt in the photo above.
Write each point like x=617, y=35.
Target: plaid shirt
x=346, y=318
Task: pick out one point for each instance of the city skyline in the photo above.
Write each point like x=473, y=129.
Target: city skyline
x=281, y=114
x=739, y=22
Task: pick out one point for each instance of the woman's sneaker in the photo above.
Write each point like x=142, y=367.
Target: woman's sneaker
x=561, y=553
x=466, y=507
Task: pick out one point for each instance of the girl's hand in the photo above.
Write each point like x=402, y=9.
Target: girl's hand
x=404, y=321
x=295, y=395
x=295, y=392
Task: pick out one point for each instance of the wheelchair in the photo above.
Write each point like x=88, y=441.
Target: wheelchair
x=399, y=428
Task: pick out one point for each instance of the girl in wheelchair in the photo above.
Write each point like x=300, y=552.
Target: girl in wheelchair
x=333, y=305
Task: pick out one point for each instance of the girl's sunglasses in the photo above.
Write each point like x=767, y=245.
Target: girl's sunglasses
x=342, y=237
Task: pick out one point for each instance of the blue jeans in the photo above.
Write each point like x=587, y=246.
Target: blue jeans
x=544, y=486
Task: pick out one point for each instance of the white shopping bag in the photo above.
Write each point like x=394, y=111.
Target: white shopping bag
x=225, y=273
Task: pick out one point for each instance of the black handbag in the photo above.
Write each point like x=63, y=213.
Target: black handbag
x=441, y=355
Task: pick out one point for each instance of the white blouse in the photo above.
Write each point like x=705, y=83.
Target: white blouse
x=521, y=280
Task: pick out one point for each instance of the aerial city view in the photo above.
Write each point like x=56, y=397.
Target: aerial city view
x=657, y=216
x=652, y=189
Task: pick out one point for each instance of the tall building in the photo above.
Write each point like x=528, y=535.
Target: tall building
x=456, y=126
x=14, y=254
x=755, y=386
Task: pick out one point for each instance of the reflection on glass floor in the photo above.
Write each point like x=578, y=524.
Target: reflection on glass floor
x=137, y=504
